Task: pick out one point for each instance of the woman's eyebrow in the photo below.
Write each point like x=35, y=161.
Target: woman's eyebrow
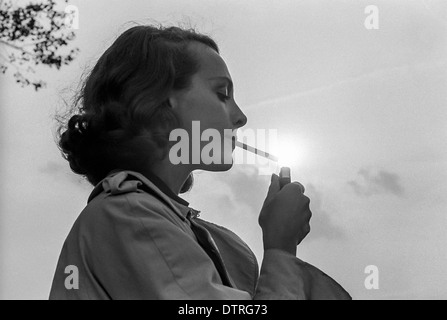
x=226, y=79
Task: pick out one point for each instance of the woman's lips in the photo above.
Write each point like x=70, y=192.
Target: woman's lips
x=233, y=140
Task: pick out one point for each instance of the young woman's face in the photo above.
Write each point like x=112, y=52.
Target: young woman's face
x=210, y=100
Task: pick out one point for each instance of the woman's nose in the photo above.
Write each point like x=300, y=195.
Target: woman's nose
x=239, y=118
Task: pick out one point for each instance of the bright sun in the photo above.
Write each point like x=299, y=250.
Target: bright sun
x=289, y=150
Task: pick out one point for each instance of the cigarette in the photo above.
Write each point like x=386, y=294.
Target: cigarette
x=256, y=151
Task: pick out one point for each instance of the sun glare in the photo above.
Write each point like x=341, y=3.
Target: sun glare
x=290, y=151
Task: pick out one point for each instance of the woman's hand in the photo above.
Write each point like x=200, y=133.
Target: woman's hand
x=285, y=216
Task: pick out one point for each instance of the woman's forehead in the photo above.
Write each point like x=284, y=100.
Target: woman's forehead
x=211, y=63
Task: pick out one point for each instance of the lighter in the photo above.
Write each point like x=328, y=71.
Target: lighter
x=284, y=177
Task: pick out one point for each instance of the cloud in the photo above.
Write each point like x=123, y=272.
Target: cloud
x=322, y=224
x=374, y=74
x=382, y=182
x=51, y=168
x=247, y=185
x=61, y=171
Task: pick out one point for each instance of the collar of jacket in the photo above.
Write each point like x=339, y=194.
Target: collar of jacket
x=124, y=181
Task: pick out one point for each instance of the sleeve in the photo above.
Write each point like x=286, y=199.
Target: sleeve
x=285, y=277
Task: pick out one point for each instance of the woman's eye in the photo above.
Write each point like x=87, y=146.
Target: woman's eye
x=223, y=97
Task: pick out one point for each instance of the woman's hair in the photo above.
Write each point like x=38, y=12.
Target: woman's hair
x=121, y=117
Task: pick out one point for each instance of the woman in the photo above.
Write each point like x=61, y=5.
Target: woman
x=136, y=238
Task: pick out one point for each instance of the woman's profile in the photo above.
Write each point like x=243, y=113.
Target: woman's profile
x=136, y=238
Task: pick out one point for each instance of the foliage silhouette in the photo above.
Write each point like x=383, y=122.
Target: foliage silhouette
x=32, y=35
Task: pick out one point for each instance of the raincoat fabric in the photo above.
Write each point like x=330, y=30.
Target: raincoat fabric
x=134, y=241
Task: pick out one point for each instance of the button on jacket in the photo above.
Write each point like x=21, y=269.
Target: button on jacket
x=135, y=240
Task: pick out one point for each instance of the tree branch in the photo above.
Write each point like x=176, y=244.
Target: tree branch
x=33, y=43
x=16, y=47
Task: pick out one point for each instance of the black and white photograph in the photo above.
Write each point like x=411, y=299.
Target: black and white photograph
x=216, y=150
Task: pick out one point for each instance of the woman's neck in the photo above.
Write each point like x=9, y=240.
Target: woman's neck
x=174, y=176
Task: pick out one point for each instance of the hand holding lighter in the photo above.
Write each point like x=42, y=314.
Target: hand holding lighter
x=284, y=177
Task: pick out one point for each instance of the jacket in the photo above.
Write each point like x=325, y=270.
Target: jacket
x=133, y=241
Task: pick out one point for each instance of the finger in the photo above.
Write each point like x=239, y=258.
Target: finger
x=303, y=189
x=274, y=188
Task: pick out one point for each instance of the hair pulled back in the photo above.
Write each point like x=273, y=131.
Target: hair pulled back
x=121, y=117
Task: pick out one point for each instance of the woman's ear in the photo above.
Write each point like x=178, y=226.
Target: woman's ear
x=173, y=101
x=170, y=102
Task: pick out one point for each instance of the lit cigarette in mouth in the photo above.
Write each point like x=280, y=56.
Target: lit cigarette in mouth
x=256, y=151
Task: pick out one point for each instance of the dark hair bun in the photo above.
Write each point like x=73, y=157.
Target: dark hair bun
x=73, y=140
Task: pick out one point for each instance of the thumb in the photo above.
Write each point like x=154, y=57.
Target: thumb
x=274, y=188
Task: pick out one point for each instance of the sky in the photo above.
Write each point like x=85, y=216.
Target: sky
x=366, y=109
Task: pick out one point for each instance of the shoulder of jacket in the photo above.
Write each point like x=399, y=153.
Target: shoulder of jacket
x=125, y=193
x=129, y=199
x=134, y=186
